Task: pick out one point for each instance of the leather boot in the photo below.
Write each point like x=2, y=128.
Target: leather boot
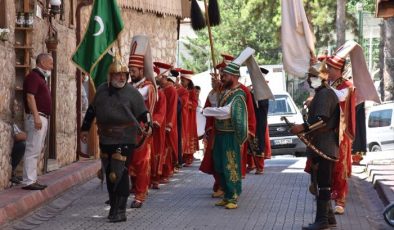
x=321, y=221
x=114, y=208
x=332, y=222
x=120, y=210
x=112, y=204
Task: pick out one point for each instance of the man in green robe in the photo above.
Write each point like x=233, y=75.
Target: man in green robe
x=231, y=129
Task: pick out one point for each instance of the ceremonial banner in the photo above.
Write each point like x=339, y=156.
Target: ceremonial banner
x=105, y=25
x=362, y=80
x=297, y=38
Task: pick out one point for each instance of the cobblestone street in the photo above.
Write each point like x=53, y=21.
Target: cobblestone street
x=278, y=199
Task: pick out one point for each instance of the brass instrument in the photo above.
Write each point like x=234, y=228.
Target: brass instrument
x=303, y=138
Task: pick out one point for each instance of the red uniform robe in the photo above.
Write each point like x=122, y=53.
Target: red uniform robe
x=207, y=164
x=343, y=168
x=258, y=162
x=183, y=94
x=159, y=134
x=139, y=167
x=251, y=127
x=171, y=153
x=192, y=136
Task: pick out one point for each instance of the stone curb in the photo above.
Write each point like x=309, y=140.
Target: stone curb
x=16, y=202
x=381, y=175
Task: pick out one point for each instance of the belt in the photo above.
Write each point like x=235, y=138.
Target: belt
x=42, y=114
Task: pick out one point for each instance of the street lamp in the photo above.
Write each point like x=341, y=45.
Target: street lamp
x=359, y=8
x=55, y=6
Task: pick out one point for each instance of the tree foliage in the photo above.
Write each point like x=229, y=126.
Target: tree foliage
x=256, y=23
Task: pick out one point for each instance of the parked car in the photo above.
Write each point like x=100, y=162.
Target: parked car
x=380, y=127
x=282, y=141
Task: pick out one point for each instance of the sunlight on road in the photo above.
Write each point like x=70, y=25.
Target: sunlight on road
x=296, y=167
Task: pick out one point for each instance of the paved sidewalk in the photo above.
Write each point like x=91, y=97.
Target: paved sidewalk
x=278, y=199
x=16, y=202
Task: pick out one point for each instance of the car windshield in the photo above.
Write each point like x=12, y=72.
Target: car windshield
x=281, y=105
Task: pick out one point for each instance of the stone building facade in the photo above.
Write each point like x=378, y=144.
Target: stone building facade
x=149, y=18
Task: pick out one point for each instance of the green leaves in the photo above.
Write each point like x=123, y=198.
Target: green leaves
x=256, y=23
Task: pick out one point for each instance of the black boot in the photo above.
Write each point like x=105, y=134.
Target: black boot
x=114, y=210
x=111, y=202
x=321, y=221
x=120, y=210
x=332, y=222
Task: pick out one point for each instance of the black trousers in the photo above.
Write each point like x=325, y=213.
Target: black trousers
x=323, y=176
x=122, y=187
x=18, y=150
x=360, y=140
x=261, y=122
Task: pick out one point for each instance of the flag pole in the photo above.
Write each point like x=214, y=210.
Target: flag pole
x=210, y=36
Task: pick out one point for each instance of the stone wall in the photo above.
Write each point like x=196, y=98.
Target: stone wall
x=7, y=95
x=162, y=32
x=66, y=91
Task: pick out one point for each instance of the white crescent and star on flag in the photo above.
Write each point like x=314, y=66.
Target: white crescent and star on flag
x=99, y=20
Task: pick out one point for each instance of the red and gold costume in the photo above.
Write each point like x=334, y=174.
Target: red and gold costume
x=343, y=168
x=258, y=162
x=192, y=136
x=140, y=61
x=171, y=149
x=139, y=168
x=251, y=127
x=207, y=165
x=190, y=125
x=159, y=134
x=183, y=94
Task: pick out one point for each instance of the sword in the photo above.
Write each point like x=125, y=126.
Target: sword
x=304, y=139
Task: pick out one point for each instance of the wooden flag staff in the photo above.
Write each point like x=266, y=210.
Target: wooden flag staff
x=210, y=36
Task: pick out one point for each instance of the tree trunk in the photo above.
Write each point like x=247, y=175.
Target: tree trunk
x=388, y=73
x=341, y=22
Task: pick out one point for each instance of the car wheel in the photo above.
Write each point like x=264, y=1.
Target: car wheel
x=376, y=148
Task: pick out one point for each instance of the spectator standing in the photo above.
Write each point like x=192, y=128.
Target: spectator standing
x=37, y=101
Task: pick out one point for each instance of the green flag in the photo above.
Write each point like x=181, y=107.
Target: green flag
x=102, y=67
x=104, y=26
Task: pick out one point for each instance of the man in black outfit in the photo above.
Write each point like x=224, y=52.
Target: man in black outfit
x=119, y=108
x=324, y=108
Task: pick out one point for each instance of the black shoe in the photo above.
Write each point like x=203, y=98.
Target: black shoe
x=15, y=180
x=34, y=186
x=136, y=204
x=119, y=211
x=42, y=185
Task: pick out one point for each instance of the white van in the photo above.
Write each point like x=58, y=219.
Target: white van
x=282, y=141
x=380, y=127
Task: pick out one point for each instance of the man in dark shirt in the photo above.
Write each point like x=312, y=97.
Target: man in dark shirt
x=324, y=110
x=37, y=101
x=119, y=108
